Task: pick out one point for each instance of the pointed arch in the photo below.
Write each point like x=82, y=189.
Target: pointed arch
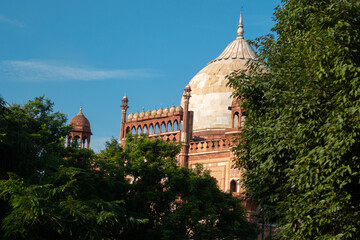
x=151, y=129
x=169, y=127
x=236, y=123
x=233, y=186
x=145, y=129
x=157, y=127
x=133, y=130
x=175, y=125
x=163, y=127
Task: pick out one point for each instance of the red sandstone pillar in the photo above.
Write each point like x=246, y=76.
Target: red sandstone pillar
x=183, y=156
x=124, y=107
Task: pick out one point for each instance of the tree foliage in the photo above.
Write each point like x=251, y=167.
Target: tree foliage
x=179, y=203
x=300, y=146
x=137, y=192
x=31, y=137
x=53, y=192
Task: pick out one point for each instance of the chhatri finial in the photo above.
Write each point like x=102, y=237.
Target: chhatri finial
x=240, y=30
x=81, y=108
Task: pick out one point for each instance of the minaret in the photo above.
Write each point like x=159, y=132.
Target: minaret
x=124, y=107
x=183, y=156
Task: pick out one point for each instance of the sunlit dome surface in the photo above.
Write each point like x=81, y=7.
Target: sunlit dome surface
x=210, y=97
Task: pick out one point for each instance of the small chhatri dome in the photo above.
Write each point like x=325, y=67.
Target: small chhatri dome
x=160, y=111
x=166, y=110
x=136, y=115
x=148, y=113
x=80, y=133
x=179, y=108
x=153, y=113
x=131, y=115
x=80, y=123
x=142, y=114
x=172, y=109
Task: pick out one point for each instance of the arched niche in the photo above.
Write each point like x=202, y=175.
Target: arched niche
x=233, y=186
x=236, y=123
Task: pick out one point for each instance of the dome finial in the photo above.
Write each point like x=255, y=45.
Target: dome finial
x=240, y=30
x=81, y=108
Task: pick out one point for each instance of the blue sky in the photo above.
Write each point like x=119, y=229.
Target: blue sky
x=91, y=53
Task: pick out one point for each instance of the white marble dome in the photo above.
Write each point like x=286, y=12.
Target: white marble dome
x=210, y=97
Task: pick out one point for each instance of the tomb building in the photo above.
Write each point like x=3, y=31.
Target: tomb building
x=207, y=120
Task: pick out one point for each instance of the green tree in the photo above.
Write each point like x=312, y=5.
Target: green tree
x=137, y=192
x=178, y=202
x=31, y=138
x=78, y=202
x=300, y=146
x=54, y=192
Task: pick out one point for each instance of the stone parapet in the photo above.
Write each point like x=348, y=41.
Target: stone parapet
x=209, y=145
x=174, y=136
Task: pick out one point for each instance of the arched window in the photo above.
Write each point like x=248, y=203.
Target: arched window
x=156, y=128
x=145, y=129
x=151, y=129
x=84, y=142
x=76, y=142
x=163, y=127
x=236, y=120
x=138, y=130
x=233, y=186
x=133, y=130
x=168, y=127
x=175, y=125
x=242, y=121
x=127, y=130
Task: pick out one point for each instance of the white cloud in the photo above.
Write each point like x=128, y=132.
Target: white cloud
x=41, y=71
x=11, y=21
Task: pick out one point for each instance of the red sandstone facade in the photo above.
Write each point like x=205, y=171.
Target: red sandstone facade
x=211, y=149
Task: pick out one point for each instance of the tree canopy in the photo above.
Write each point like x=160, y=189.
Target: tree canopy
x=136, y=192
x=300, y=146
